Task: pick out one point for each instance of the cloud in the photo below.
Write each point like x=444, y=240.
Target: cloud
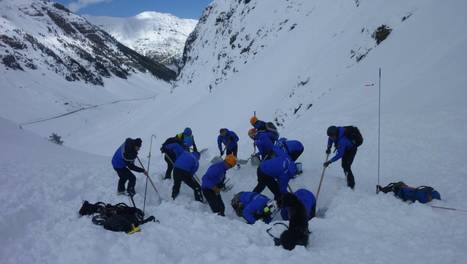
x=80, y=4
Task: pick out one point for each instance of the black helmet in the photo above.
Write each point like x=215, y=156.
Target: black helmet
x=237, y=205
x=333, y=131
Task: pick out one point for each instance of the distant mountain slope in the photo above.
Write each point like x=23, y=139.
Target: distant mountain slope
x=42, y=35
x=156, y=35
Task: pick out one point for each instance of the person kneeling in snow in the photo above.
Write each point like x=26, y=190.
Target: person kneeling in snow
x=297, y=232
x=253, y=207
x=213, y=182
x=185, y=166
x=123, y=161
x=308, y=200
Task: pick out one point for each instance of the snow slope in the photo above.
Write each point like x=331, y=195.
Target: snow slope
x=423, y=116
x=157, y=35
x=40, y=223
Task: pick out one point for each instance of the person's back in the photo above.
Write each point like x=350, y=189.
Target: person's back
x=187, y=162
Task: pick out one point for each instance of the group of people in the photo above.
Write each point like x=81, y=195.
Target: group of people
x=277, y=165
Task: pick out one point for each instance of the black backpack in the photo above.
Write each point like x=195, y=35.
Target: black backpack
x=118, y=218
x=270, y=127
x=354, y=135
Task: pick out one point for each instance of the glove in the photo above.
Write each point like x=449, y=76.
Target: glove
x=326, y=164
x=328, y=151
x=221, y=152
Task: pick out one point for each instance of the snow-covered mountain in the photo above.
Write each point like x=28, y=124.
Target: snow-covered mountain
x=305, y=64
x=39, y=35
x=50, y=56
x=157, y=35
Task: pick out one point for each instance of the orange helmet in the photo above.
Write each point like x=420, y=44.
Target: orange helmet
x=252, y=133
x=231, y=160
x=253, y=120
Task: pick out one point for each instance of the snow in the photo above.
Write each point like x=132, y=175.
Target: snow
x=150, y=33
x=423, y=116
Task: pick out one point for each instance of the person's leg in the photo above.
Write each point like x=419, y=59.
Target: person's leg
x=347, y=161
x=215, y=201
x=261, y=181
x=189, y=180
x=273, y=186
x=122, y=179
x=170, y=167
x=131, y=183
x=177, y=182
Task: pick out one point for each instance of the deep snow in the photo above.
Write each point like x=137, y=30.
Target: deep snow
x=423, y=116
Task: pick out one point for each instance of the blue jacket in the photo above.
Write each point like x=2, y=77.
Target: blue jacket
x=292, y=147
x=229, y=140
x=186, y=161
x=253, y=206
x=308, y=200
x=214, y=175
x=342, y=144
x=173, y=148
x=125, y=156
x=281, y=168
x=264, y=144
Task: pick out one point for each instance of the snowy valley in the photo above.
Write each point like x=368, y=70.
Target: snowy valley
x=304, y=64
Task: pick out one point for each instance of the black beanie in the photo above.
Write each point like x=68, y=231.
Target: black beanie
x=138, y=142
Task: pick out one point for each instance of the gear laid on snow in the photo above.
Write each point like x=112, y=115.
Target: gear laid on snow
x=118, y=218
x=422, y=194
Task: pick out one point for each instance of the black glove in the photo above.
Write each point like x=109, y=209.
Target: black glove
x=326, y=164
x=221, y=152
x=328, y=151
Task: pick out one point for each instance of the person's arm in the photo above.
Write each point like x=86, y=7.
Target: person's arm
x=340, y=152
x=219, y=144
x=133, y=167
x=248, y=212
x=195, y=149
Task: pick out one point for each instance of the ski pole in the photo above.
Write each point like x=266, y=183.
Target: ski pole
x=448, y=208
x=321, y=179
x=149, y=178
x=149, y=163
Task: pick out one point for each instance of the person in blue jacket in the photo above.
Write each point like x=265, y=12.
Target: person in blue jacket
x=185, y=166
x=213, y=182
x=123, y=161
x=275, y=173
x=229, y=139
x=346, y=149
x=308, y=200
x=253, y=207
x=292, y=147
x=263, y=142
x=268, y=127
x=187, y=139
